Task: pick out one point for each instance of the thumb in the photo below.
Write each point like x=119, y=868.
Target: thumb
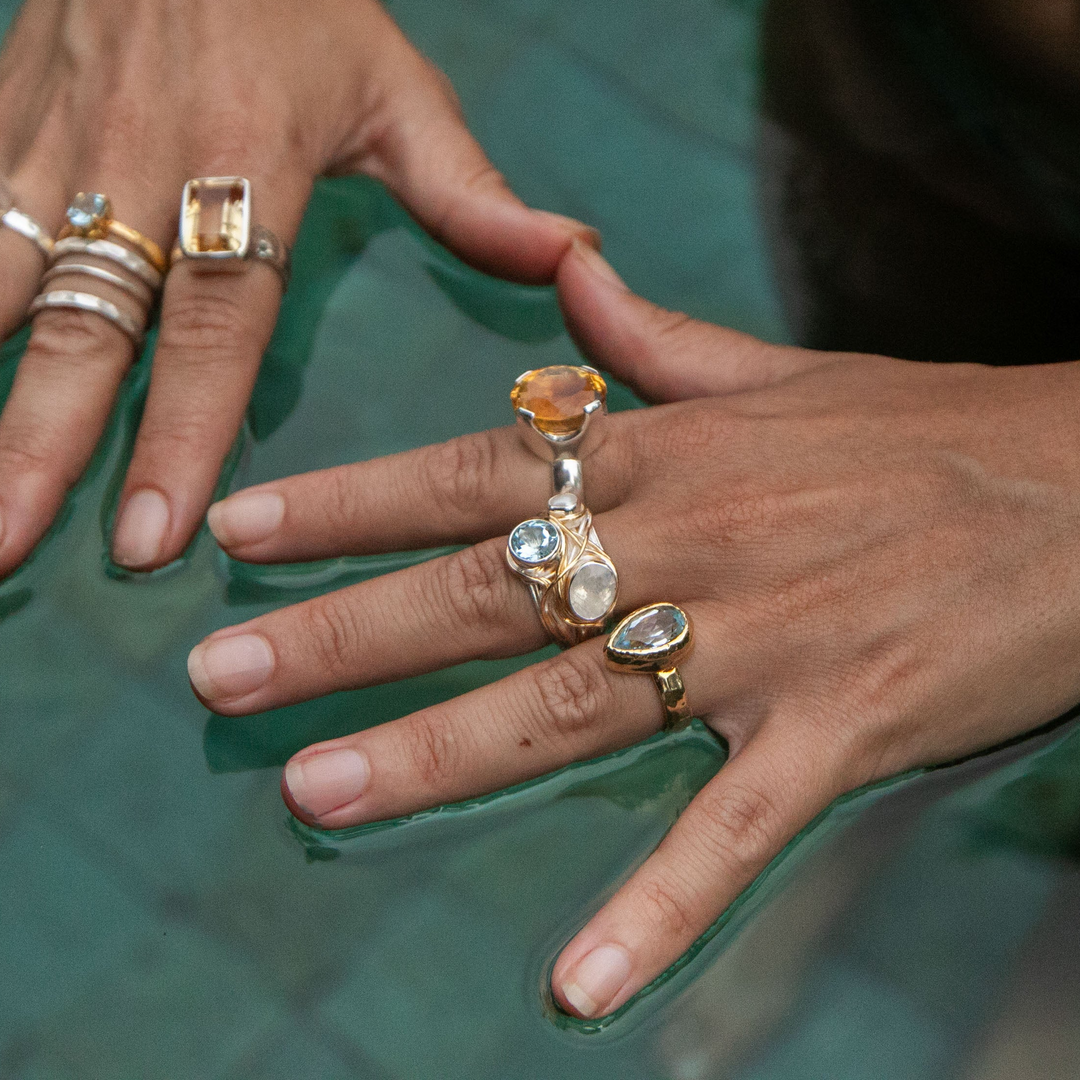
x=416, y=142
x=663, y=355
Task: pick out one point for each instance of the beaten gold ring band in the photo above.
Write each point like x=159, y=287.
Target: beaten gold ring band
x=651, y=640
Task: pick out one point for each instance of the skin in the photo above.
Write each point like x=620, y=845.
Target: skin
x=881, y=560
x=134, y=97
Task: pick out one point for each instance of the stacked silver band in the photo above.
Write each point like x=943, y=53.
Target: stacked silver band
x=18, y=221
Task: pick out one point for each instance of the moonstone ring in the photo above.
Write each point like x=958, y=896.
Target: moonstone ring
x=651, y=640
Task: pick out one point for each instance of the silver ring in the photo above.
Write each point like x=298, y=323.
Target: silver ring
x=65, y=298
x=26, y=226
x=216, y=230
x=139, y=290
x=106, y=249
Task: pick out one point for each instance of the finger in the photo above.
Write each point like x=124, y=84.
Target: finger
x=463, y=606
x=415, y=141
x=568, y=708
x=736, y=825
x=455, y=492
x=214, y=330
x=664, y=355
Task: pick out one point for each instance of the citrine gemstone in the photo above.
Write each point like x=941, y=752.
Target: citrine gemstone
x=558, y=396
x=215, y=216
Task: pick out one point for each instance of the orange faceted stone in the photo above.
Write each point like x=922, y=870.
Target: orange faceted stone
x=557, y=397
x=213, y=216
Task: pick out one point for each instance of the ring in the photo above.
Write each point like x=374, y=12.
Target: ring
x=138, y=289
x=556, y=406
x=117, y=253
x=572, y=580
x=65, y=298
x=651, y=640
x=23, y=223
x=216, y=231
x=90, y=217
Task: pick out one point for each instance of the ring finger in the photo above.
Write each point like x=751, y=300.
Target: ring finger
x=565, y=709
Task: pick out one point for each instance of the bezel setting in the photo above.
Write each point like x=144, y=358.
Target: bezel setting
x=650, y=658
x=191, y=210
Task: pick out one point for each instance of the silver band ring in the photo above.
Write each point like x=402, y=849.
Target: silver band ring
x=65, y=298
x=107, y=249
x=26, y=226
x=217, y=232
x=139, y=290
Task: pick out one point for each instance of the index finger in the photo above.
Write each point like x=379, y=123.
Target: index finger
x=458, y=492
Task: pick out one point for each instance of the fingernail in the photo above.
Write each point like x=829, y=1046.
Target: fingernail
x=325, y=781
x=597, y=264
x=140, y=532
x=585, y=234
x=224, y=668
x=246, y=518
x=597, y=979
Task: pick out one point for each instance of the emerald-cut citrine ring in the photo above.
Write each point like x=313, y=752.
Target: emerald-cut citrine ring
x=217, y=231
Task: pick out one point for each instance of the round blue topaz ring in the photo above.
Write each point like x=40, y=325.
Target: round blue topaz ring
x=90, y=218
x=652, y=640
x=571, y=578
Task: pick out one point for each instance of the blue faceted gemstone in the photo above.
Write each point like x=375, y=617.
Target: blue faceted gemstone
x=653, y=628
x=85, y=209
x=534, y=541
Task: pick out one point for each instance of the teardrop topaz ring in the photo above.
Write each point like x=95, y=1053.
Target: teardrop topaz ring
x=651, y=640
x=573, y=582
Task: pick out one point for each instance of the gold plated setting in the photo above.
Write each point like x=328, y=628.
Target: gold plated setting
x=572, y=580
x=652, y=640
x=90, y=217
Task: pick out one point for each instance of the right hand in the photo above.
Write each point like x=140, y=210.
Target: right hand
x=134, y=98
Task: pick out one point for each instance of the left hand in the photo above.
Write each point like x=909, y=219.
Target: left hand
x=881, y=560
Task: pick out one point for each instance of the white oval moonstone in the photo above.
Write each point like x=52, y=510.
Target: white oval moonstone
x=592, y=591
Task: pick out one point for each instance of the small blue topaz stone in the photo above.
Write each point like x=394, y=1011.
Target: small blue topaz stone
x=653, y=628
x=534, y=541
x=86, y=210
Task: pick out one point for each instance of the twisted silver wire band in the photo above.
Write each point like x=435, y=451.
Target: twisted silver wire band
x=139, y=290
x=65, y=298
x=117, y=253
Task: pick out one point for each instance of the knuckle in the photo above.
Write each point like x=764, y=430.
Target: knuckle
x=474, y=584
x=25, y=453
x=331, y=625
x=432, y=750
x=204, y=324
x=460, y=472
x=739, y=829
x=340, y=500
x=667, y=906
x=573, y=691
x=60, y=337
x=183, y=438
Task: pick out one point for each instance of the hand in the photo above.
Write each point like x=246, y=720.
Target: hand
x=134, y=98
x=881, y=560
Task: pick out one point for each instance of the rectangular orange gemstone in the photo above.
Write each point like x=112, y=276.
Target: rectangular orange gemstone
x=215, y=218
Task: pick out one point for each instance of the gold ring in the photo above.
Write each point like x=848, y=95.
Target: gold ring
x=556, y=407
x=572, y=580
x=90, y=216
x=651, y=640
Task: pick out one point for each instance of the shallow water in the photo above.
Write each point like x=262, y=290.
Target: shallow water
x=160, y=914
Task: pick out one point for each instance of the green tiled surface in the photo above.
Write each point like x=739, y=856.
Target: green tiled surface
x=158, y=917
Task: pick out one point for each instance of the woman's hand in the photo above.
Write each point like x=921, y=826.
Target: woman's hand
x=881, y=560
x=132, y=99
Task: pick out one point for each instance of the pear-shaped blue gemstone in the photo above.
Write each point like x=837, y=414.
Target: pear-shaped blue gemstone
x=653, y=628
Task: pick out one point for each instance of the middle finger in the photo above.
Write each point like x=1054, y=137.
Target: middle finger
x=459, y=607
